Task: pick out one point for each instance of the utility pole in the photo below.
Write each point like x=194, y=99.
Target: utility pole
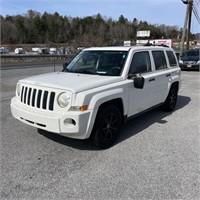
x=190, y=3
x=187, y=25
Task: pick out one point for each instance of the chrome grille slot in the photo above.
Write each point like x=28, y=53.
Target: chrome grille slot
x=22, y=94
x=33, y=98
x=44, y=105
x=37, y=98
x=51, y=102
x=29, y=96
x=25, y=95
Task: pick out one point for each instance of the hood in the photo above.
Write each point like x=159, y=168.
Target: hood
x=73, y=82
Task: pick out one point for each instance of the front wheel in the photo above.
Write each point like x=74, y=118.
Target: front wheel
x=171, y=100
x=106, y=128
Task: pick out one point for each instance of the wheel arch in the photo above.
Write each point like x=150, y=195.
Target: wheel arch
x=176, y=84
x=116, y=102
x=170, y=102
x=116, y=97
x=113, y=106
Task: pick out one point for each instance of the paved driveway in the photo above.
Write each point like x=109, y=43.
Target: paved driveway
x=156, y=157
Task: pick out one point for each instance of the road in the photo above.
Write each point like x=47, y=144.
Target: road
x=156, y=157
x=26, y=65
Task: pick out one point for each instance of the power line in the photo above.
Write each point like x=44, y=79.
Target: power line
x=197, y=2
x=194, y=9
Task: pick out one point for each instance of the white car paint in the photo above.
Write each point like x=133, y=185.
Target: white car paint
x=90, y=91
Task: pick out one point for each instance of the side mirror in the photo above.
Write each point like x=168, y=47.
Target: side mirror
x=64, y=66
x=139, y=82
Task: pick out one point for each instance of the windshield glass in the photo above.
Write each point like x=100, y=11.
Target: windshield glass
x=194, y=53
x=107, y=63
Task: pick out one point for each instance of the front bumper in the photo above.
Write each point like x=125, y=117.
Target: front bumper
x=189, y=66
x=70, y=124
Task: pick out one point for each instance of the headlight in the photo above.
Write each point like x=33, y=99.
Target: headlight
x=63, y=99
x=18, y=89
x=180, y=61
x=198, y=62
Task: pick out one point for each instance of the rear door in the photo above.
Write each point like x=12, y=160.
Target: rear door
x=162, y=76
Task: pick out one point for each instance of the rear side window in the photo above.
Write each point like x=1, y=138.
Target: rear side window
x=172, y=59
x=159, y=60
x=140, y=63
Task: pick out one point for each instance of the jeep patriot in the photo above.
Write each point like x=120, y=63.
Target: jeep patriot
x=98, y=91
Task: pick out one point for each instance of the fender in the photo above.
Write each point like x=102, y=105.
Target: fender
x=176, y=77
x=103, y=97
x=100, y=98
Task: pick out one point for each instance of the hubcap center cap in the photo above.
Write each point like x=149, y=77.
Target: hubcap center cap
x=108, y=126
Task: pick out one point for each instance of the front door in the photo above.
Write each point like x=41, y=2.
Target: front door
x=142, y=99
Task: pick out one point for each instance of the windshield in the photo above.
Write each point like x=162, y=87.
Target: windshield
x=107, y=63
x=194, y=53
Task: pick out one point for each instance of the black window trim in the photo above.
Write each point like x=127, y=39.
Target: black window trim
x=150, y=62
x=166, y=62
x=172, y=65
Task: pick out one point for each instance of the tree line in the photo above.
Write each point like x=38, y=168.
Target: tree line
x=97, y=30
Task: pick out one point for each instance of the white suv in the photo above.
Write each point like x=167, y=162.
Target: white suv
x=98, y=91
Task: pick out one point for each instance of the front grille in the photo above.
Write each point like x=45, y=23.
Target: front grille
x=190, y=62
x=37, y=98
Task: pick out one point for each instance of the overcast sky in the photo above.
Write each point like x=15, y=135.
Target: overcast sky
x=168, y=12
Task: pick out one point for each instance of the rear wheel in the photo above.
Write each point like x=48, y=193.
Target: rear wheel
x=106, y=128
x=171, y=100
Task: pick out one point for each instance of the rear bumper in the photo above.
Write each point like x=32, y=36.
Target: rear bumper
x=70, y=124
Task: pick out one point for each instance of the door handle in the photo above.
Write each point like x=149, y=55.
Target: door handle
x=152, y=79
x=168, y=75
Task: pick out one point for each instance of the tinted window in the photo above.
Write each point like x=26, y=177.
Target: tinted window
x=140, y=63
x=191, y=53
x=159, y=60
x=172, y=59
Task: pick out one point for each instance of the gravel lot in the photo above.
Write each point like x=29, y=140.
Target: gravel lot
x=156, y=157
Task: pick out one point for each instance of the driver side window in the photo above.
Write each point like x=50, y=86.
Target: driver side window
x=140, y=63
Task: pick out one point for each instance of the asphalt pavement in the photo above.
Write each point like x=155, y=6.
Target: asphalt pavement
x=156, y=157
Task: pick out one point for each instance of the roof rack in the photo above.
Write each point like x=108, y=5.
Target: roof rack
x=155, y=45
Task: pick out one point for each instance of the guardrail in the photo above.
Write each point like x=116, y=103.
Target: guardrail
x=34, y=58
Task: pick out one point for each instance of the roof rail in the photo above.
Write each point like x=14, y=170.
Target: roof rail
x=155, y=45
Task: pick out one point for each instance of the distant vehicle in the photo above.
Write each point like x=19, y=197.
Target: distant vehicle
x=53, y=51
x=19, y=51
x=190, y=60
x=3, y=50
x=80, y=48
x=43, y=50
x=35, y=49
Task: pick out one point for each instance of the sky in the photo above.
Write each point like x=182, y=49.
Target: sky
x=168, y=12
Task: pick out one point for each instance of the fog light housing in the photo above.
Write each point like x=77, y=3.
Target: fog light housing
x=70, y=123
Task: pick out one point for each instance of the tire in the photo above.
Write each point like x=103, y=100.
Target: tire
x=106, y=128
x=171, y=100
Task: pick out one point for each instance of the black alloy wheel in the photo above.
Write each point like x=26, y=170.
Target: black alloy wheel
x=106, y=128
x=171, y=100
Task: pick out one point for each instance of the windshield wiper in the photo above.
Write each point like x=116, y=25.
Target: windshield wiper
x=83, y=71
x=67, y=70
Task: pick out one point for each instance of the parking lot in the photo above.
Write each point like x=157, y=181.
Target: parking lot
x=156, y=157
